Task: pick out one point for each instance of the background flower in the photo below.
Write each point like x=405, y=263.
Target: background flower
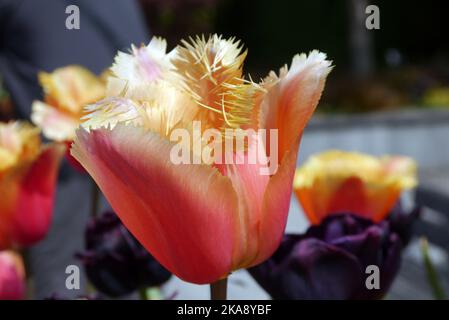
x=337, y=181
x=28, y=172
x=67, y=90
x=115, y=262
x=329, y=261
x=12, y=276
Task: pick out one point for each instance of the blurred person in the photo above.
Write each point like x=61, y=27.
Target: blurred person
x=33, y=38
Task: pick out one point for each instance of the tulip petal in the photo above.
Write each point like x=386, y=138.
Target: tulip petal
x=12, y=276
x=309, y=269
x=71, y=87
x=276, y=203
x=263, y=203
x=56, y=124
x=34, y=206
x=184, y=215
x=337, y=181
x=250, y=184
x=292, y=99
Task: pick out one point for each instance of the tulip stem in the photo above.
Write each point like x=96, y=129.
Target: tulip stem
x=95, y=197
x=218, y=289
x=143, y=293
x=432, y=275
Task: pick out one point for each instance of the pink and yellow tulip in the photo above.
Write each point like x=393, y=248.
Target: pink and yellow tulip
x=348, y=182
x=28, y=172
x=12, y=276
x=200, y=221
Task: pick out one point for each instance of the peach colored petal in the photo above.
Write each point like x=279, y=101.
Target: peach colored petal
x=71, y=87
x=276, y=203
x=250, y=186
x=56, y=124
x=184, y=215
x=292, y=99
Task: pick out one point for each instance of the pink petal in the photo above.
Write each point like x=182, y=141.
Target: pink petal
x=184, y=215
x=250, y=185
x=55, y=124
x=290, y=102
x=35, y=199
x=276, y=203
x=12, y=278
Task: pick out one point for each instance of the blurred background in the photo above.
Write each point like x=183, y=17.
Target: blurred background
x=389, y=93
x=404, y=63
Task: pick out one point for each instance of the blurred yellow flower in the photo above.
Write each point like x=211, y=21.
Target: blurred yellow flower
x=19, y=142
x=67, y=90
x=337, y=181
x=437, y=97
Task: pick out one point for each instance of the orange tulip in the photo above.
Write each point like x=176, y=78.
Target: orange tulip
x=338, y=181
x=28, y=173
x=12, y=276
x=199, y=220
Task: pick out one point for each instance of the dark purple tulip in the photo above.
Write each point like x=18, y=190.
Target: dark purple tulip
x=329, y=261
x=402, y=221
x=115, y=262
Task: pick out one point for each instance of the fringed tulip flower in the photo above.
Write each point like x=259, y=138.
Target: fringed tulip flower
x=338, y=181
x=66, y=91
x=202, y=217
x=12, y=276
x=28, y=172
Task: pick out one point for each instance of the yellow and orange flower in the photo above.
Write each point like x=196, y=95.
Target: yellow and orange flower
x=12, y=276
x=28, y=173
x=67, y=90
x=337, y=181
x=201, y=221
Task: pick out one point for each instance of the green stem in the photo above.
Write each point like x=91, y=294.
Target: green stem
x=432, y=275
x=218, y=290
x=143, y=293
